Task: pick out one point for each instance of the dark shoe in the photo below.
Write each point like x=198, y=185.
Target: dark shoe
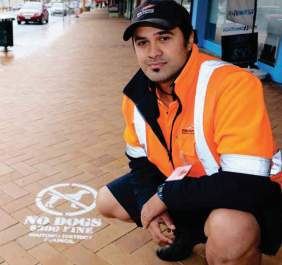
x=180, y=249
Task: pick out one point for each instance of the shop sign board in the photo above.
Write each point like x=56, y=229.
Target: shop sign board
x=241, y=11
x=236, y=28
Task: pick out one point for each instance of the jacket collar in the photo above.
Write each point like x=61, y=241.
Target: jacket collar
x=137, y=87
x=138, y=90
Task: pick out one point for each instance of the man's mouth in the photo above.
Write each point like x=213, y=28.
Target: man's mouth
x=156, y=67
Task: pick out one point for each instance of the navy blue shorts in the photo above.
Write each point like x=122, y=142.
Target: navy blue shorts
x=123, y=189
x=126, y=190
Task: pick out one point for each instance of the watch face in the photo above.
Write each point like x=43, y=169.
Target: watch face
x=161, y=187
x=160, y=191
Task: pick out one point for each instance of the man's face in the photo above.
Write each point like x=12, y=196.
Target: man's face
x=160, y=53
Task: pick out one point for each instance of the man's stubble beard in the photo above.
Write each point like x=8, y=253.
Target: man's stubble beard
x=159, y=77
x=155, y=76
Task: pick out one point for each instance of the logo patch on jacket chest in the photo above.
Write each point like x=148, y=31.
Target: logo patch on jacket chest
x=188, y=130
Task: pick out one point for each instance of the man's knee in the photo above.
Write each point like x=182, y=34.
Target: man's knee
x=104, y=202
x=231, y=233
x=108, y=205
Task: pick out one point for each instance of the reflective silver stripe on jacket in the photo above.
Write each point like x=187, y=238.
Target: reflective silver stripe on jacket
x=140, y=129
x=276, y=163
x=245, y=164
x=229, y=162
x=135, y=151
x=204, y=154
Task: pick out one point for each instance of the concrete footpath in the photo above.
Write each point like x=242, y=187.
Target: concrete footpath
x=61, y=139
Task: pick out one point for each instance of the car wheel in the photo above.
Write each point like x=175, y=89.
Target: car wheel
x=42, y=21
x=47, y=20
x=19, y=22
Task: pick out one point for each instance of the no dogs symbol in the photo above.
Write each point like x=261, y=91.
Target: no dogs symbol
x=67, y=199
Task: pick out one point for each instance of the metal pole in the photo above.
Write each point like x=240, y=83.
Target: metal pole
x=255, y=15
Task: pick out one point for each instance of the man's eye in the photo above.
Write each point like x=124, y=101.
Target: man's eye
x=164, y=38
x=141, y=43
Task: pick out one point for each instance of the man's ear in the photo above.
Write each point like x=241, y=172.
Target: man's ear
x=190, y=41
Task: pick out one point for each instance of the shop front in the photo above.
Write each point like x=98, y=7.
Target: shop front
x=253, y=25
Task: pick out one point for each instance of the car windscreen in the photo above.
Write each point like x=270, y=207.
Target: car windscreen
x=32, y=6
x=58, y=5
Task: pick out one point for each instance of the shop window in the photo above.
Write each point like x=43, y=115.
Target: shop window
x=269, y=23
x=236, y=17
x=215, y=19
x=229, y=17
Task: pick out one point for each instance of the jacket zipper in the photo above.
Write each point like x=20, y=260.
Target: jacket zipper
x=179, y=110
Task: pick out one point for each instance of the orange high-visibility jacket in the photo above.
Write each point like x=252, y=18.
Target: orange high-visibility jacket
x=219, y=121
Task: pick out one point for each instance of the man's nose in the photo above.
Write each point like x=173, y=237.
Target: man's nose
x=154, y=50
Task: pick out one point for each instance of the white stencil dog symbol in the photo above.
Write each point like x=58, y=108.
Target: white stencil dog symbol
x=71, y=197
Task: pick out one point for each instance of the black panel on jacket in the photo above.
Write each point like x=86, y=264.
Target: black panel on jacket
x=222, y=190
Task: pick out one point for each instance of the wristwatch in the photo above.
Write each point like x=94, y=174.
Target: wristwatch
x=160, y=191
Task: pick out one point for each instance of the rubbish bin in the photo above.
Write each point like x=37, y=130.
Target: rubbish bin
x=6, y=32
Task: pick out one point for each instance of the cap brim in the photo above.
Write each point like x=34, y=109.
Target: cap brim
x=154, y=22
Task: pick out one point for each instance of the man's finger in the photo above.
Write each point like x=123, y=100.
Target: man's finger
x=144, y=220
x=156, y=233
x=163, y=239
x=167, y=221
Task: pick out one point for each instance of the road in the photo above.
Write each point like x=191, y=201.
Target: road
x=29, y=38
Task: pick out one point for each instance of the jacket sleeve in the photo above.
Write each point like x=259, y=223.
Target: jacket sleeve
x=146, y=176
x=222, y=190
x=241, y=126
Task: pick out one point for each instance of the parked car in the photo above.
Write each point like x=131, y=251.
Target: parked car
x=33, y=12
x=59, y=9
x=49, y=5
x=18, y=6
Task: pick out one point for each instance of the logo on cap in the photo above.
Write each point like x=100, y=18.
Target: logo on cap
x=144, y=12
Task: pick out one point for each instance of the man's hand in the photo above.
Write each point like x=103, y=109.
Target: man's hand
x=157, y=235
x=151, y=209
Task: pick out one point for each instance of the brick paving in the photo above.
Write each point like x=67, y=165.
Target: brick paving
x=60, y=122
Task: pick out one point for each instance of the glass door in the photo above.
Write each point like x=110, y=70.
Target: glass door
x=269, y=23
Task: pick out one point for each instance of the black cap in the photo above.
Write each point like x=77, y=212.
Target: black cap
x=163, y=14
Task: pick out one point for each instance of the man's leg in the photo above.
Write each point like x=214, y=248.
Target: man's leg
x=109, y=207
x=233, y=238
x=123, y=197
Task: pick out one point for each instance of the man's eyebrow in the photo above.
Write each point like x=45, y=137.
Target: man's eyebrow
x=136, y=38
x=161, y=32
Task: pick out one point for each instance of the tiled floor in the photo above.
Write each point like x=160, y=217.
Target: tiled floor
x=60, y=122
